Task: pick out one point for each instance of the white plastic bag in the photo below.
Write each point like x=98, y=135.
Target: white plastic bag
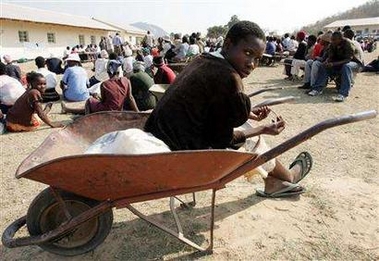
x=130, y=141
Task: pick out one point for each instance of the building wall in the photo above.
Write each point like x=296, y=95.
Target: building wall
x=362, y=29
x=38, y=44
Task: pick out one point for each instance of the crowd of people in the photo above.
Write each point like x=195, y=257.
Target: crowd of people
x=320, y=59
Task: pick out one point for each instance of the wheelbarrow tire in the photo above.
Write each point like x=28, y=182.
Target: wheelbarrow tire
x=44, y=214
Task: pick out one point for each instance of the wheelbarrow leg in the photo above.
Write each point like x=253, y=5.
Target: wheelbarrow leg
x=185, y=204
x=179, y=233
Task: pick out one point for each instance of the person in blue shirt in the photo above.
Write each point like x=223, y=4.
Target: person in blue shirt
x=270, y=46
x=75, y=81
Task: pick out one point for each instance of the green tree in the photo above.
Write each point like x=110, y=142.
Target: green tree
x=233, y=20
x=216, y=31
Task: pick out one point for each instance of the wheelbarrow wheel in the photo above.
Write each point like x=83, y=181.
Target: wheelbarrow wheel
x=45, y=214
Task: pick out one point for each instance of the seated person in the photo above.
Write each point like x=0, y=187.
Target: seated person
x=200, y=109
x=12, y=70
x=74, y=81
x=10, y=90
x=141, y=83
x=182, y=50
x=270, y=50
x=373, y=66
x=297, y=64
x=341, y=61
x=148, y=60
x=298, y=55
x=21, y=116
x=164, y=74
x=193, y=48
x=127, y=64
x=55, y=65
x=50, y=93
x=100, y=69
x=312, y=65
x=114, y=92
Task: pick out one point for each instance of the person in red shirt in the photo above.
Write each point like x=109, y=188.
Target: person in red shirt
x=21, y=116
x=164, y=74
x=114, y=92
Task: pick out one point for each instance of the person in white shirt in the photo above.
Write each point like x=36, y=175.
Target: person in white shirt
x=149, y=40
x=50, y=93
x=127, y=64
x=10, y=90
x=148, y=60
x=100, y=69
x=193, y=49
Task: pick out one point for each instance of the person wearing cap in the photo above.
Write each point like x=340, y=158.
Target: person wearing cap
x=114, y=92
x=312, y=65
x=12, y=70
x=164, y=74
x=141, y=83
x=299, y=54
x=74, y=81
x=50, y=94
x=100, y=69
x=127, y=64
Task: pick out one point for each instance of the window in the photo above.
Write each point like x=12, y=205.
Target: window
x=23, y=36
x=81, y=39
x=130, y=39
x=51, y=37
x=93, y=39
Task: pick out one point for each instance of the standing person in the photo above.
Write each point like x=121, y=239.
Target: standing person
x=117, y=44
x=50, y=94
x=103, y=43
x=10, y=90
x=164, y=74
x=201, y=109
x=21, y=116
x=74, y=81
x=12, y=70
x=141, y=83
x=108, y=44
x=114, y=92
x=148, y=40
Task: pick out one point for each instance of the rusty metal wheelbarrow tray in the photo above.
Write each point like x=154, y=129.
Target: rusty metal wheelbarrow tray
x=119, y=180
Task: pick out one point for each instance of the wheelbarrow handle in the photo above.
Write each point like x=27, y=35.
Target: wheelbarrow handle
x=275, y=101
x=264, y=90
x=296, y=140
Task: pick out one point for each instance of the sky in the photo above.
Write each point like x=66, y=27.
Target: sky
x=198, y=15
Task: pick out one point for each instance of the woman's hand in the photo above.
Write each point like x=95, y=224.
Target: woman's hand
x=260, y=113
x=274, y=128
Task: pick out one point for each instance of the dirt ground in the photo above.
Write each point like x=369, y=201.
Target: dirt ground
x=336, y=219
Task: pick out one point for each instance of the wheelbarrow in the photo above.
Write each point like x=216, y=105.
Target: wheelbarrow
x=74, y=214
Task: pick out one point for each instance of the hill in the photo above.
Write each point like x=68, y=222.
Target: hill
x=369, y=9
x=154, y=29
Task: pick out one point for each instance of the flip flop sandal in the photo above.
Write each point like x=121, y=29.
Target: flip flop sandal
x=291, y=189
x=304, y=159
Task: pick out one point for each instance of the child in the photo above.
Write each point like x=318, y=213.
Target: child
x=21, y=116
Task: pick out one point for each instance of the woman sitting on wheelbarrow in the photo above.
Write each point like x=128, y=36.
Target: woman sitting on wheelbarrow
x=206, y=102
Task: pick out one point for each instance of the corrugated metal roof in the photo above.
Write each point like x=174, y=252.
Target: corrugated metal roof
x=22, y=13
x=354, y=22
x=122, y=26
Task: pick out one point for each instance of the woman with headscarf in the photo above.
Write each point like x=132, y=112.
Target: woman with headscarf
x=114, y=92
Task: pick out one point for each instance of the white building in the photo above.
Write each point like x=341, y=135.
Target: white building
x=29, y=32
x=129, y=33
x=362, y=26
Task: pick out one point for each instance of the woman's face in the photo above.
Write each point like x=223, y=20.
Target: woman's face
x=39, y=84
x=245, y=54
